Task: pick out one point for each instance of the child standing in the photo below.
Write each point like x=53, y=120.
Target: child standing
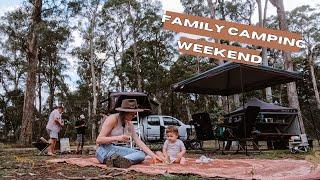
x=173, y=149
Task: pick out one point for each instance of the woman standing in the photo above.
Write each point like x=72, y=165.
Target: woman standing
x=113, y=130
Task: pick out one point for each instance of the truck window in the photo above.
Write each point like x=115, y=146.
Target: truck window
x=170, y=121
x=153, y=121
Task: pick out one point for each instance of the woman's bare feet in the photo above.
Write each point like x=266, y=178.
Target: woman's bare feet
x=50, y=154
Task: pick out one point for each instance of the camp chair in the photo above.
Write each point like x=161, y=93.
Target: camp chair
x=41, y=144
x=203, y=128
x=298, y=143
x=252, y=113
x=238, y=134
x=230, y=134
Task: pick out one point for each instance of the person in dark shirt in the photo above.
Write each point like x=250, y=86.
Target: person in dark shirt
x=81, y=130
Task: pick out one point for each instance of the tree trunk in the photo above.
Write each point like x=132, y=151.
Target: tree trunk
x=264, y=50
x=30, y=90
x=314, y=80
x=291, y=87
x=51, y=91
x=93, y=76
x=51, y=82
x=206, y=101
x=212, y=6
x=160, y=108
x=121, y=78
x=136, y=59
x=135, y=50
x=137, y=63
x=89, y=114
x=39, y=81
x=188, y=110
x=236, y=100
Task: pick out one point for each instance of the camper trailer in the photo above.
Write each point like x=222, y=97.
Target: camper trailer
x=263, y=122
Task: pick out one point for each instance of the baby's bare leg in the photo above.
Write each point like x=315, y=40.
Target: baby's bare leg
x=183, y=160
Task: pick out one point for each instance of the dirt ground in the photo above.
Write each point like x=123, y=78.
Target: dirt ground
x=25, y=164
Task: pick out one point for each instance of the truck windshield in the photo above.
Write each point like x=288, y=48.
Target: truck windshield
x=167, y=121
x=153, y=121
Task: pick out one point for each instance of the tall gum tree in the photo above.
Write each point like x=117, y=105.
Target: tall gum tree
x=30, y=90
x=288, y=64
x=262, y=19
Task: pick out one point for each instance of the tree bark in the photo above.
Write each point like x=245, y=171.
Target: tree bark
x=30, y=90
x=212, y=6
x=188, y=110
x=90, y=114
x=93, y=74
x=51, y=85
x=121, y=78
x=137, y=63
x=135, y=57
x=39, y=81
x=314, y=80
x=262, y=16
x=236, y=100
x=288, y=65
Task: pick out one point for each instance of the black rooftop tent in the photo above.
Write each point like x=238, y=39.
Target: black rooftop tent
x=233, y=78
x=114, y=100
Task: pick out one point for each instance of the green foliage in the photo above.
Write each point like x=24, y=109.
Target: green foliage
x=12, y=114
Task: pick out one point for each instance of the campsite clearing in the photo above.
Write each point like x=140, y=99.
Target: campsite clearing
x=24, y=164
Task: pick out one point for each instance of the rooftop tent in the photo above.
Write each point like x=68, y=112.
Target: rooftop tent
x=233, y=78
x=266, y=107
x=144, y=102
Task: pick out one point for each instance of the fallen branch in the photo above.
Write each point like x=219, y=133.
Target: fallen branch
x=68, y=177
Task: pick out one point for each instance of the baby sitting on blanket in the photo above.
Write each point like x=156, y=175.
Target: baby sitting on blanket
x=173, y=148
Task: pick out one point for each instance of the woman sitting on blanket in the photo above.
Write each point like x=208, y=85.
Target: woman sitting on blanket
x=113, y=130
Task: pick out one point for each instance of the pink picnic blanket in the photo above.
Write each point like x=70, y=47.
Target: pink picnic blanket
x=229, y=168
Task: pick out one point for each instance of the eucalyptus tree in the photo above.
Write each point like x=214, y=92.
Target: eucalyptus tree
x=32, y=61
x=149, y=45
x=34, y=37
x=114, y=39
x=306, y=21
x=13, y=30
x=288, y=64
x=52, y=60
x=236, y=11
x=88, y=13
x=262, y=11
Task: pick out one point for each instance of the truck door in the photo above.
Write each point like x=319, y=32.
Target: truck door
x=167, y=121
x=153, y=128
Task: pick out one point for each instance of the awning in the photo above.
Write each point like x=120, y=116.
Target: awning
x=233, y=78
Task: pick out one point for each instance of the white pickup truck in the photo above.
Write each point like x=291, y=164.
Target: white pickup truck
x=152, y=128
